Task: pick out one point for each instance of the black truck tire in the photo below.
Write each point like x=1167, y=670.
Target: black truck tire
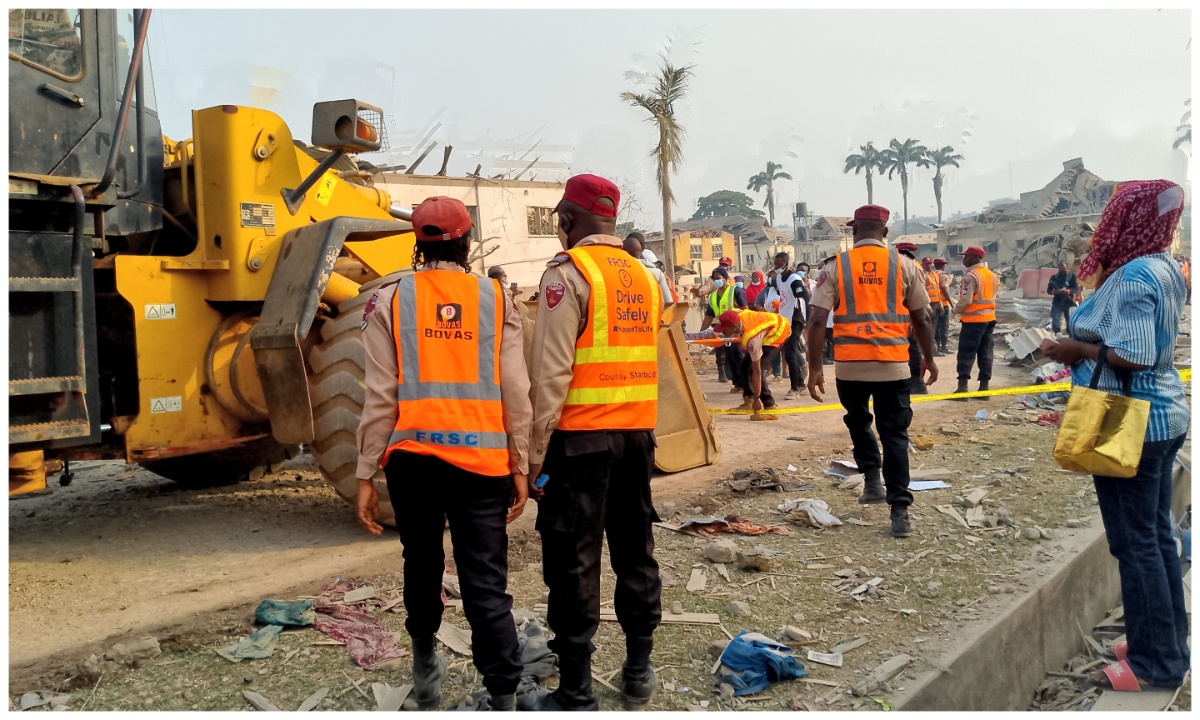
x=337, y=390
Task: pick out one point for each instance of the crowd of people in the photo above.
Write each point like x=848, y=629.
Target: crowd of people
x=466, y=432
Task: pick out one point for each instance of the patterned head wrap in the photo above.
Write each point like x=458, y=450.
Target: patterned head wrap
x=1138, y=220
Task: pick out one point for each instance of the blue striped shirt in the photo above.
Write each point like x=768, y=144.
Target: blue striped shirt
x=1136, y=312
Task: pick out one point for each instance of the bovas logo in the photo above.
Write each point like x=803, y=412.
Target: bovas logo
x=449, y=317
x=448, y=324
x=870, y=274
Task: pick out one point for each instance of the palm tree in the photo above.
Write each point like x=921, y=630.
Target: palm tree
x=670, y=86
x=1185, y=127
x=867, y=158
x=767, y=180
x=896, y=159
x=940, y=158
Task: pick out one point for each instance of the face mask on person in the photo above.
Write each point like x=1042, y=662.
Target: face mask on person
x=718, y=283
x=740, y=285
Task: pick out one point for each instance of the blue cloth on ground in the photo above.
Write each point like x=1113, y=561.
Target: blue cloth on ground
x=757, y=661
x=298, y=613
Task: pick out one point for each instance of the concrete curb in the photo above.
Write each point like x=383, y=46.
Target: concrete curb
x=1010, y=656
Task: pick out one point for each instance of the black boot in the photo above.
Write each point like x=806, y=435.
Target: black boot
x=983, y=386
x=873, y=491
x=574, y=691
x=962, y=388
x=429, y=669
x=902, y=527
x=637, y=677
x=722, y=376
x=917, y=386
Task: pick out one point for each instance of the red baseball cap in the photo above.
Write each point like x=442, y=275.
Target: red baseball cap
x=725, y=262
x=586, y=191
x=906, y=246
x=974, y=250
x=927, y=260
x=447, y=217
x=728, y=319
x=870, y=212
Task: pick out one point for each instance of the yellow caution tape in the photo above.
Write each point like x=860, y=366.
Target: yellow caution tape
x=1185, y=375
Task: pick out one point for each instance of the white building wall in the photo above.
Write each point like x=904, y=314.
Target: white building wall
x=502, y=212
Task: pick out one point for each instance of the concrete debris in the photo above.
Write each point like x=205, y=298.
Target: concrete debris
x=1031, y=534
x=845, y=647
x=388, y=698
x=721, y=551
x=754, y=561
x=32, y=700
x=366, y=593
x=677, y=608
x=796, y=634
x=853, y=484
x=975, y=498
x=931, y=590
x=455, y=638
x=134, y=652
x=1074, y=523
x=881, y=676
x=698, y=580
x=667, y=578
x=716, y=648
x=738, y=608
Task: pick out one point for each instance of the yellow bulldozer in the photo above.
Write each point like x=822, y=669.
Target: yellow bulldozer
x=195, y=306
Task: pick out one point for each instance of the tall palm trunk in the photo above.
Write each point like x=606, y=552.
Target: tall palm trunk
x=937, y=193
x=668, y=237
x=771, y=203
x=904, y=191
x=870, y=189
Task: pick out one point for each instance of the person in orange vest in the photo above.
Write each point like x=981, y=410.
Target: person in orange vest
x=941, y=333
x=761, y=334
x=933, y=286
x=977, y=306
x=874, y=295
x=594, y=376
x=1185, y=266
x=447, y=414
x=916, y=385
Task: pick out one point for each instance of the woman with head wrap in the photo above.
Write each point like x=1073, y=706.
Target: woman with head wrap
x=757, y=285
x=1133, y=317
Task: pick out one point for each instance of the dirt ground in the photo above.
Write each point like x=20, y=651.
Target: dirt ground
x=187, y=566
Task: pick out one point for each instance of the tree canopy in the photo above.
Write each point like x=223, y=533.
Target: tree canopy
x=726, y=202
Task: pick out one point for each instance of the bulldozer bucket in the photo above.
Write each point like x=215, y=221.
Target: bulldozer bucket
x=684, y=431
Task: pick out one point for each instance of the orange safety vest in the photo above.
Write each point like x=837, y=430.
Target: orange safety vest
x=614, y=379
x=870, y=321
x=945, y=296
x=753, y=322
x=448, y=326
x=671, y=284
x=932, y=287
x=983, y=305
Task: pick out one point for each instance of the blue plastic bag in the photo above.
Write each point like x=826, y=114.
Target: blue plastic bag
x=297, y=613
x=758, y=661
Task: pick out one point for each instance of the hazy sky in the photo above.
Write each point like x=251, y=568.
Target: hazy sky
x=1015, y=92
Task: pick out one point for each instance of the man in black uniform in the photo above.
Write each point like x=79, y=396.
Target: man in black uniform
x=594, y=378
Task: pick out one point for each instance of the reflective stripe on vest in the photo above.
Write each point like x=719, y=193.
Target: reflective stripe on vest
x=753, y=322
x=614, y=380
x=870, y=321
x=448, y=327
x=933, y=288
x=721, y=302
x=983, y=305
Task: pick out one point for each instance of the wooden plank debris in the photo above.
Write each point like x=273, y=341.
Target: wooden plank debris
x=388, y=698
x=312, y=701
x=455, y=638
x=698, y=580
x=259, y=702
x=722, y=571
x=847, y=646
x=831, y=659
x=358, y=595
x=948, y=510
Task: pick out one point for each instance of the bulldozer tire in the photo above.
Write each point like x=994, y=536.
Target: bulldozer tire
x=337, y=390
x=224, y=467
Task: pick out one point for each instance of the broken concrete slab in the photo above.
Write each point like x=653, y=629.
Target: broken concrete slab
x=738, y=608
x=131, y=652
x=721, y=551
x=880, y=676
x=364, y=593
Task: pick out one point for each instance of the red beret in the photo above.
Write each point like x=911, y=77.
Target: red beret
x=587, y=190
x=728, y=319
x=974, y=250
x=870, y=212
x=939, y=261
x=448, y=216
x=906, y=246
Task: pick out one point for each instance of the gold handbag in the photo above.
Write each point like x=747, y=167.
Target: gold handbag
x=1102, y=433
